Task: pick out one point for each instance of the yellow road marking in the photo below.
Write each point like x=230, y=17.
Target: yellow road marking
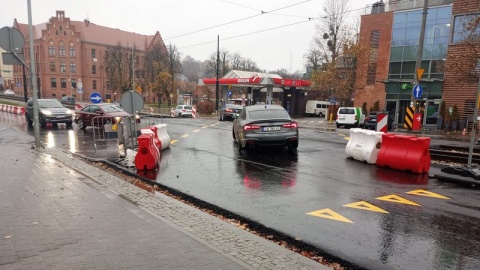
x=173, y=141
x=327, y=213
x=421, y=192
x=363, y=205
x=196, y=130
x=185, y=136
x=397, y=199
x=212, y=125
x=205, y=127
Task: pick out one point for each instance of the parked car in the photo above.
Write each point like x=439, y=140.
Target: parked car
x=68, y=101
x=265, y=125
x=230, y=111
x=108, y=113
x=49, y=111
x=183, y=110
x=9, y=92
x=350, y=117
x=371, y=121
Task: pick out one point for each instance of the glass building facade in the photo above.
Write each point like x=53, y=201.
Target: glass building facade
x=403, y=54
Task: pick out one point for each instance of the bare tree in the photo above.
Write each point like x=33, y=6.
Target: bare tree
x=192, y=69
x=313, y=59
x=118, y=67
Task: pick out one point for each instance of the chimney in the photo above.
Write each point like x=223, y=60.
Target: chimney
x=87, y=22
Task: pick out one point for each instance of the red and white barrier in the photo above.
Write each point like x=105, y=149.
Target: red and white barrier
x=172, y=113
x=12, y=109
x=194, y=111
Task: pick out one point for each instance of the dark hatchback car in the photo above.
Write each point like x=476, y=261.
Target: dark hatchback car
x=106, y=113
x=68, y=101
x=49, y=111
x=230, y=111
x=265, y=125
x=371, y=121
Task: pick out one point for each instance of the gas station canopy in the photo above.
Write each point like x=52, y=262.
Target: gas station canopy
x=254, y=79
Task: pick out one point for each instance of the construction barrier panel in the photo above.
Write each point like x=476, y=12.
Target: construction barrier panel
x=364, y=145
x=406, y=153
x=12, y=109
x=147, y=155
x=152, y=130
x=382, y=122
x=161, y=133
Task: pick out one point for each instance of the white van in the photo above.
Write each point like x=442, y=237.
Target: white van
x=316, y=108
x=350, y=117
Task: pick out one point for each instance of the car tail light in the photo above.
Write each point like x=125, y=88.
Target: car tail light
x=250, y=127
x=228, y=110
x=290, y=125
x=337, y=116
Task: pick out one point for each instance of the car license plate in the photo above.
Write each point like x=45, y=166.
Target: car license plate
x=342, y=119
x=60, y=116
x=271, y=128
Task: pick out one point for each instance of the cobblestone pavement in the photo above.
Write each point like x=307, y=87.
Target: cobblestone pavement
x=59, y=212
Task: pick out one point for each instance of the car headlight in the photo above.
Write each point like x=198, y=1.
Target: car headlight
x=46, y=112
x=137, y=116
x=69, y=112
x=118, y=119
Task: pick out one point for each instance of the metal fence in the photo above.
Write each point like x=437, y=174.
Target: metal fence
x=123, y=129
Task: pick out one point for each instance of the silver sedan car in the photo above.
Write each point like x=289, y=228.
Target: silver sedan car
x=265, y=125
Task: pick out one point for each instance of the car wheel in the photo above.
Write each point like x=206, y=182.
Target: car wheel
x=233, y=135
x=80, y=124
x=42, y=123
x=29, y=121
x=69, y=124
x=293, y=145
x=180, y=115
x=338, y=126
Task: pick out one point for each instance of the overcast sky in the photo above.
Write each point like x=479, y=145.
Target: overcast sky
x=193, y=25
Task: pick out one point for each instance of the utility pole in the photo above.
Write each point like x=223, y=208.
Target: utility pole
x=217, y=83
x=33, y=80
x=418, y=63
x=133, y=72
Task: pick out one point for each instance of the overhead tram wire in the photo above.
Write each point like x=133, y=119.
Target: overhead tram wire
x=246, y=18
x=264, y=30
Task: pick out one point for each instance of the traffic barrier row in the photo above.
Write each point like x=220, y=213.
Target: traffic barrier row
x=401, y=152
x=152, y=140
x=12, y=109
x=364, y=145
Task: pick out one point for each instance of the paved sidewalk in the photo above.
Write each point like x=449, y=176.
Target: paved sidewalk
x=58, y=212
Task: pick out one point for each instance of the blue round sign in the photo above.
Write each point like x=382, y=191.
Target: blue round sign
x=417, y=91
x=95, y=98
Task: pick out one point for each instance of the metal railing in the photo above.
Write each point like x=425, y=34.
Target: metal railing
x=123, y=129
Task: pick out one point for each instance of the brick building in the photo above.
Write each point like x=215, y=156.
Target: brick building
x=70, y=57
x=393, y=29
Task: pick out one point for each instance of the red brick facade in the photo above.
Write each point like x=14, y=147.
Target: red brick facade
x=374, y=92
x=82, y=44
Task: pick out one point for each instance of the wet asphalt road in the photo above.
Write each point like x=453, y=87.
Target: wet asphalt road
x=372, y=217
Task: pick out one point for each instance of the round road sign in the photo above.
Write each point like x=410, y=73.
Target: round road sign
x=132, y=102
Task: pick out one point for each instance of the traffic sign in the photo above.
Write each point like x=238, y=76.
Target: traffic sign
x=420, y=73
x=95, y=98
x=332, y=100
x=417, y=91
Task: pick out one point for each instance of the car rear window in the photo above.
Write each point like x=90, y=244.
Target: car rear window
x=346, y=111
x=49, y=103
x=188, y=107
x=111, y=108
x=268, y=114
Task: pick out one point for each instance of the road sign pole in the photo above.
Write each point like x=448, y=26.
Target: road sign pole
x=33, y=81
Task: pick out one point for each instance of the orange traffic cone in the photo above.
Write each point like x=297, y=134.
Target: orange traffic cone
x=464, y=132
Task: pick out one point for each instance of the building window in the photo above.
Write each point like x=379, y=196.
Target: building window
x=465, y=28
x=93, y=53
x=51, y=50
x=72, y=51
x=52, y=66
x=94, y=69
x=54, y=95
x=371, y=73
x=53, y=82
x=63, y=83
x=74, y=83
x=94, y=84
x=73, y=67
x=62, y=67
x=61, y=51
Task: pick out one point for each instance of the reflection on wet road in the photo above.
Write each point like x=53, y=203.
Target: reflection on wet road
x=396, y=220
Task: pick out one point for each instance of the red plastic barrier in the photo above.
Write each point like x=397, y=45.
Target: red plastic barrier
x=148, y=155
x=157, y=142
x=406, y=153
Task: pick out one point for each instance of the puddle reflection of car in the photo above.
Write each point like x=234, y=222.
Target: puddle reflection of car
x=265, y=125
x=230, y=111
x=110, y=114
x=49, y=111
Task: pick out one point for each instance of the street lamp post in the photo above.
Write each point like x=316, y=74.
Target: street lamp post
x=475, y=121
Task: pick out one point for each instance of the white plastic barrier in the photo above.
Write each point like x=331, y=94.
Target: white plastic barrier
x=364, y=145
x=162, y=135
